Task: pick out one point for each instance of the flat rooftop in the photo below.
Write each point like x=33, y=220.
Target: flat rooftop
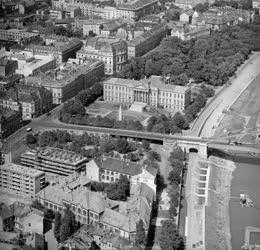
x=58, y=155
x=19, y=169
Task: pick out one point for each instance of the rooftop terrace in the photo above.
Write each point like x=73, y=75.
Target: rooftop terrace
x=21, y=169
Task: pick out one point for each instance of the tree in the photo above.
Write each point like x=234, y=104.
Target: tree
x=49, y=214
x=153, y=156
x=169, y=237
x=140, y=232
x=94, y=246
x=68, y=225
x=146, y=145
x=118, y=190
x=176, y=154
x=201, y=7
x=57, y=225
x=122, y=146
x=174, y=176
x=180, y=121
x=172, y=211
x=30, y=139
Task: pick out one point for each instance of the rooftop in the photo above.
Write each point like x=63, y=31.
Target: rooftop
x=135, y=5
x=19, y=169
x=57, y=47
x=153, y=31
x=155, y=82
x=65, y=74
x=58, y=155
x=120, y=166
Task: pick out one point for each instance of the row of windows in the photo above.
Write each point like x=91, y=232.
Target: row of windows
x=163, y=94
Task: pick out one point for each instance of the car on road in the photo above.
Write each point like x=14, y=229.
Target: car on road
x=48, y=114
x=28, y=129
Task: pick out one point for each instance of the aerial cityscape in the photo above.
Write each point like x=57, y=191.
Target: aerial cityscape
x=129, y=124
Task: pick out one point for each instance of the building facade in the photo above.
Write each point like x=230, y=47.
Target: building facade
x=10, y=121
x=112, y=51
x=188, y=32
x=17, y=35
x=149, y=40
x=61, y=51
x=130, y=11
x=7, y=67
x=95, y=208
x=54, y=160
x=153, y=91
x=65, y=82
x=20, y=180
x=34, y=100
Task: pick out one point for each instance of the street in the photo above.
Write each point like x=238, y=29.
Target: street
x=211, y=116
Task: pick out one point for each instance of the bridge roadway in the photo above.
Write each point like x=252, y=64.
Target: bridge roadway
x=212, y=143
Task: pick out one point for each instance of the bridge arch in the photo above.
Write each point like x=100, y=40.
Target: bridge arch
x=193, y=150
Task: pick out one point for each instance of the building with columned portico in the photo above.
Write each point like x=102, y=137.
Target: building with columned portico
x=154, y=91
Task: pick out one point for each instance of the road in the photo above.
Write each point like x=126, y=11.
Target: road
x=212, y=115
x=49, y=122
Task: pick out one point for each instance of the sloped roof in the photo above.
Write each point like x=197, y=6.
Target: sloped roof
x=120, y=166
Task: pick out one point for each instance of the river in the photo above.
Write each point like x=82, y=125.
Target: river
x=246, y=179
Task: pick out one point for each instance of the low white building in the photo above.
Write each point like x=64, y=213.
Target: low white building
x=29, y=64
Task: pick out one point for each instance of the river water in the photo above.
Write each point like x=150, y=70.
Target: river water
x=246, y=179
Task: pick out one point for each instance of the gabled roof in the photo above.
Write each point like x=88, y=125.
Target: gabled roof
x=120, y=166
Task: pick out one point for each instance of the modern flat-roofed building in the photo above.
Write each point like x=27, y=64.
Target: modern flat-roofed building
x=54, y=160
x=112, y=51
x=66, y=81
x=149, y=40
x=153, y=91
x=21, y=180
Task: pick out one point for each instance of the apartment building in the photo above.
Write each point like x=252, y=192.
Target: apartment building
x=188, y=32
x=10, y=121
x=54, y=160
x=61, y=51
x=153, y=91
x=149, y=40
x=17, y=35
x=7, y=67
x=20, y=180
x=34, y=99
x=134, y=10
x=112, y=51
x=219, y=17
x=66, y=81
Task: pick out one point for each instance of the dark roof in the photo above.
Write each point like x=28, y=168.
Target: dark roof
x=5, y=211
x=124, y=167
